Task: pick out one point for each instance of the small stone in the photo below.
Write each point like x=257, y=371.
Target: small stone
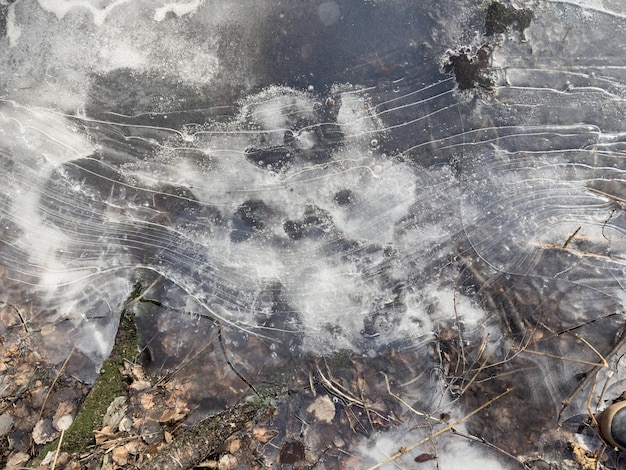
x=152, y=432
x=5, y=423
x=234, y=446
x=64, y=408
x=339, y=442
x=120, y=455
x=227, y=462
x=425, y=457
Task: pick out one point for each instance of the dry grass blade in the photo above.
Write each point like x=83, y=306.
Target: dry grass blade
x=327, y=382
x=561, y=358
x=590, y=375
x=569, y=359
x=550, y=246
x=475, y=376
x=617, y=200
x=405, y=450
x=413, y=410
x=56, y=378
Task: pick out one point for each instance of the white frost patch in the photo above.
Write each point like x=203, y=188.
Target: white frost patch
x=352, y=118
x=612, y=7
x=384, y=195
x=329, y=13
x=60, y=8
x=97, y=339
x=121, y=55
x=13, y=29
x=449, y=451
x=330, y=297
x=179, y=9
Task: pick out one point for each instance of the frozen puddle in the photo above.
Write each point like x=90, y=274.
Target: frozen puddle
x=309, y=181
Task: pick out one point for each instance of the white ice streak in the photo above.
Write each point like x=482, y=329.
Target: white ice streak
x=99, y=9
x=178, y=8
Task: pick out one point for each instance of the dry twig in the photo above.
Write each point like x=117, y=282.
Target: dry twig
x=196, y=443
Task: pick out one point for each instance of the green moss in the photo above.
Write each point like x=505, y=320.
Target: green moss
x=471, y=70
x=499, y=17
x=108, y=386
x=340, y=359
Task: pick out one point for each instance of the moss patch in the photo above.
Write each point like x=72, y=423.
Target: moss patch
x=471, y=70
x=499, y=17
x=108, y=386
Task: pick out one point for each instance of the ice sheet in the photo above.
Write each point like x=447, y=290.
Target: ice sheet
x=309, y=175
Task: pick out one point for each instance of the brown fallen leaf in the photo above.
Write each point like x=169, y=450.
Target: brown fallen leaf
x=234, y=446
x=322, y=408
x=134, y=447
x=264, y=435
x=104, y=435
x=147, y=401
x=120, y=455
x=139, y=385
x=16, y=461
x=44, y=432
x=171, y=416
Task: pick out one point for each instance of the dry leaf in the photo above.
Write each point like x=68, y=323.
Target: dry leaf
x=584, y=459
x=171, y=416
x=139, y=385
x=44, y=432
x=322, y=408
x=115, y=412
x=120, y=455
x=234, y=446
x=16, y=461
x=104, y=435
x=264, y=435
x=147, y=401
x=134, y=447
x=135, y=371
